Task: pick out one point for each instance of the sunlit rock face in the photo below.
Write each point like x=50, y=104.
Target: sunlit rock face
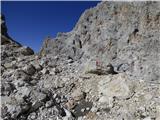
x=125, y=34
x=107, y=67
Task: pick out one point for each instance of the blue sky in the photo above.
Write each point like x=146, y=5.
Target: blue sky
x=30, y=22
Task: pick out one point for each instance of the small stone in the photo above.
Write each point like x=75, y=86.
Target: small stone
x=45, y=71
x=42, y=62
x=19, y=59
x=70, y=61
x=70, y=104
x=19, y=83
x=94, y=109
x=33, y=116
x=7, y=88
x=108, y=100
x=36, y=105
x=78, y=95
x=21, y=75
x=158, y=112
x=25, y=107
x=38, y=67
x=41, y=96
x=24, y=92
x=80, y=118
x=55, y=95
x=82, y=110
x=30, y=69
x=147, y=118
x=56, y=57
x=87, y=108
x=14, y=110
x=49, y=104
x=58, y=100
x=123, y=67
x=98, y=113
x=57, y=71
x=52, y=71
x=8, y=65
x=33, y=82
x=68, y=115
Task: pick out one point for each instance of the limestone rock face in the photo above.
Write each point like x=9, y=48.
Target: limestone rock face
x=124, y=34
x=106, y=68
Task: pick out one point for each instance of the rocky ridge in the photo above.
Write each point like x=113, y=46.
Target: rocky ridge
x=107, y=67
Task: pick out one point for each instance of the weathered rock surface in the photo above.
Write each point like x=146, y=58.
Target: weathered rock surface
x=107, y=67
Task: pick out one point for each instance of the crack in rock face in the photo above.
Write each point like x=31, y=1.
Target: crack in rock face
x=106, y=68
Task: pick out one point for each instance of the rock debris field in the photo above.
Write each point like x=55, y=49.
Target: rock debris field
x=106, y=68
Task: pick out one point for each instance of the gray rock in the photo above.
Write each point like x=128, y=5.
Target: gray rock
x=49, y=104
x=38, y=99
x=23, y=92
x=36, y=105
x=38, y=67
x=30, y=69
x=147, y=118
x=32, y=116
x=121, y=36
x=14, y=111
x=25, y=51
x=7, y=88
x=68, y=115
x=21, y=75
x=102, y=70
x=45, y=71
x=57, y=71
x=18, y=83
x=78, y=94
x=123, y=67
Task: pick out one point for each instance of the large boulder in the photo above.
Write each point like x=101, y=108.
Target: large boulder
x=29, y=69
x=25, y=51
x=115, y=86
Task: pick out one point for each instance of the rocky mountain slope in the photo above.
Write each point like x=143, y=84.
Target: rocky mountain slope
x=106, y=68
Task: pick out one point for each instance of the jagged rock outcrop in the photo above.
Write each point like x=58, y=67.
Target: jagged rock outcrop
x=5, y=38
x=107, y=67
x=10, y=47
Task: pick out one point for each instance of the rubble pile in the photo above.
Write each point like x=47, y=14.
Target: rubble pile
x=106, y=68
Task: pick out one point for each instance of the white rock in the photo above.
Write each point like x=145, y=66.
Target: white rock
x=37, y=66
x=77, y=94
x=45, y=71
x=94, y=109
x=158, y=112
x=108, y=100
x=147, y=118
x=68, y=115
x=33, y=115
x=83, y=109
x=87, y=108
x=116, y=85
x=23, y=91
